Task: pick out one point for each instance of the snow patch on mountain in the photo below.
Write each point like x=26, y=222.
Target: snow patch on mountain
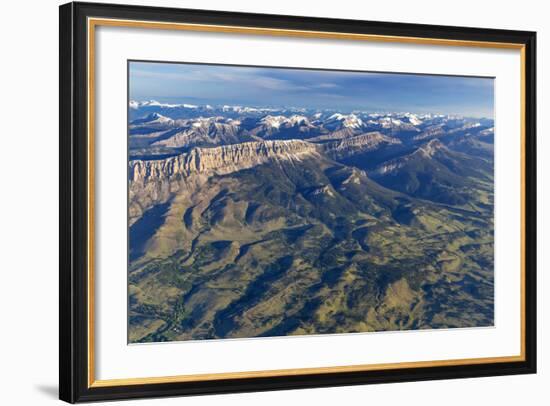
x=153, y=103
x=347, y=120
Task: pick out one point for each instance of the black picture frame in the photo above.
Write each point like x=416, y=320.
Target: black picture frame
x=74, y=199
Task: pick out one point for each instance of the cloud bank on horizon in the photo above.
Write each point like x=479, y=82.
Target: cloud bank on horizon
x=318, y=89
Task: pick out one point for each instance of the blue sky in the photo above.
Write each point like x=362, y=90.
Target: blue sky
x=339, y=90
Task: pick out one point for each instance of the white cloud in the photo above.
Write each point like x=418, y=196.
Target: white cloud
x=245, y=78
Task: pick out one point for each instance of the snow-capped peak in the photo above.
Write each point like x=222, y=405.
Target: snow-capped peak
x=337, y=116
x=297, y=119
x=348, y=120
x=388, y=122
x=150, y=103
x=413, y=119
x=352, y=121
x=153, y=103
x=487, y=131
x=206, y=121
x=274, y=121
x=158, y=118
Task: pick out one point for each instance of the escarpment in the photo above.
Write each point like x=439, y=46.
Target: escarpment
x=155, y=181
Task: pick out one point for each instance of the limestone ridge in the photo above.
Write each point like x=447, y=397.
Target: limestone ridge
x=360, y=143
x=156, y=181
x=219, y=160
x=426, y=151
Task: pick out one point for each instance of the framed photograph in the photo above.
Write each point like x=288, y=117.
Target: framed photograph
x=257, y=202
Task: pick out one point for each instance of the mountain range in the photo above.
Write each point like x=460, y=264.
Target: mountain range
x=250, y=221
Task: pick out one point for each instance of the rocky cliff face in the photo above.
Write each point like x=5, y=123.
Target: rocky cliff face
x=219, y=160
x=153, y=182
x=359, y=143
x=431, y=148
x=426, y=151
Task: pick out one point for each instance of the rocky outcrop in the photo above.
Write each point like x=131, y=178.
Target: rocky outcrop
x=431, y=148
x=431, y=132
x=360, y=143
x=153, y=182
x=426, y=151
x=219, y=160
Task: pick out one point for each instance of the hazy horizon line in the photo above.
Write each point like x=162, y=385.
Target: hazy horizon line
x=177, y=101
